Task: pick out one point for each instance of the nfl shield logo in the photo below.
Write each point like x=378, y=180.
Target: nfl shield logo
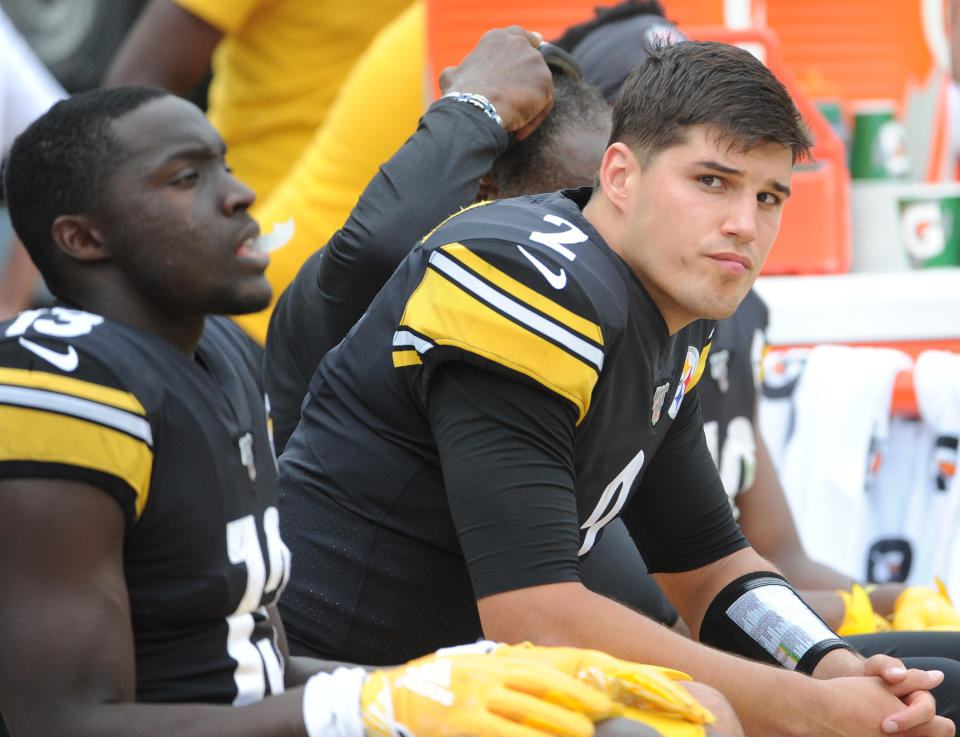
x=719, y=369
x=658, y=396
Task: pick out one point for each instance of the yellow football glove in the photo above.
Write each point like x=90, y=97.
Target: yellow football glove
x=942, y=590
x=480, y=695
x=859, y=618
x=628, y=684
x=922, y=608
x=665, y=724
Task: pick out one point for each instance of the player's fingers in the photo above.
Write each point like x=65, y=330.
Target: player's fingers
x=555, y=686
x=536, y=713
x=647, y=687
x=531, y=126
x=920, y=710
x=915, y=680
x=937, y=727
x=534, y=37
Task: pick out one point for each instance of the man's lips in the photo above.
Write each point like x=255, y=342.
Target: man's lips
x=247, y=249
x=735, y=263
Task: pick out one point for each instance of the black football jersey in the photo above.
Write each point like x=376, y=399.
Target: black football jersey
x=183, y=446
x=728, y=393
x=526, y=288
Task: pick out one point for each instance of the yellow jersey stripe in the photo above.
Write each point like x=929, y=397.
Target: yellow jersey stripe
x=30, y=434
x=701, y=365
x=505, y=303
x=523, y=293
x=69, y=404
x=69, y=385
x=468, y=323
x=406, y=358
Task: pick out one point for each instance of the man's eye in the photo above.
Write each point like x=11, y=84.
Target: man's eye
x=768, y=198
x=711, y=181
x=186, y=179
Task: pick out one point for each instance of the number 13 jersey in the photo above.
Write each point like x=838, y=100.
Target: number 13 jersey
x=183, y=446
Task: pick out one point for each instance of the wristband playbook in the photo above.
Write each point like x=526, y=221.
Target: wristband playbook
x=760, y=616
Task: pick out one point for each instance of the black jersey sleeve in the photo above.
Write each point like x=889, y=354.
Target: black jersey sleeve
x=506, y=450
x=432, y=175
x=65, y=413
x=486, y=301
x=680, y=516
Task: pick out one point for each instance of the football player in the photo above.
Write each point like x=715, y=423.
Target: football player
x=728, y=397
x=435, y=461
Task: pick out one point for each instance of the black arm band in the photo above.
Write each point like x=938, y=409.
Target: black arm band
x=760, y=616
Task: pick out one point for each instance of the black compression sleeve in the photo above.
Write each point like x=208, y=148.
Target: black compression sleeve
x=507, y=454
x=679, y=516
x=430, y=177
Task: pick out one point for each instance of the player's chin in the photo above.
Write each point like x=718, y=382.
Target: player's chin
x=252, y=295
x=723, y=303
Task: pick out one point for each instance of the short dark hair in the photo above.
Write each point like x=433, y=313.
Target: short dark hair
x=61, y=163
x=705, y=82
x=535, y=164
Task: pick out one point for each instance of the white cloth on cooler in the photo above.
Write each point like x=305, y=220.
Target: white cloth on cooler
x=937, y=383
x=842, y=401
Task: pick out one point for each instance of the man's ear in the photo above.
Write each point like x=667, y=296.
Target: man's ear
x=78, y=238
x=619, y=163
x=488, y=188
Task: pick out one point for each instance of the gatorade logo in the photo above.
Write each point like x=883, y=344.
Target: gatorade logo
x=922, y=230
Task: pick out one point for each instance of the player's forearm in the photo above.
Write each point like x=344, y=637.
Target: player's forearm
x=559, y=614
x=817, y=584
x=805, y=573
x=277, y=716
x=827, y=604
x=147, y=56
x=429, y=178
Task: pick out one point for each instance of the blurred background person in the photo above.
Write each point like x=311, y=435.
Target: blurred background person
x=300, y=91
x=27, y=90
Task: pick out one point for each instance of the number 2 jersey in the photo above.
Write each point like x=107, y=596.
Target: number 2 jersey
x=389, y=558
x=183, y=447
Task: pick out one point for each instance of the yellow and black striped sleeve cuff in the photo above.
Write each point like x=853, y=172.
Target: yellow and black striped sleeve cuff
x=51, y=424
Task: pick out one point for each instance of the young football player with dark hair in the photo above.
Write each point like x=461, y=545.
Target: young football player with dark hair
x=479, y=426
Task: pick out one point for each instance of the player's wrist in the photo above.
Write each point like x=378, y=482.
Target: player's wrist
x=332, y=703
x=477, y=100
x=838, y=663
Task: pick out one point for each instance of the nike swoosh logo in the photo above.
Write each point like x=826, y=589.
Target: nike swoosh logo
x=557, y=281
x=64, y=361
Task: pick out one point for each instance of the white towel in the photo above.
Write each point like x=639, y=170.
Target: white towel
x=937, y=382
x=842, y=403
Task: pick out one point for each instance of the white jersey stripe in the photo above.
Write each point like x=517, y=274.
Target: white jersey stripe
x=406, y=339
x=85, y=409
x=516, y=310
